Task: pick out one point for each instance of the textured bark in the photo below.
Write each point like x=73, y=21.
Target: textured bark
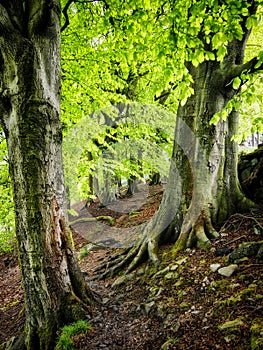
x=205, y=158
x=55, y=291
x=203, y=187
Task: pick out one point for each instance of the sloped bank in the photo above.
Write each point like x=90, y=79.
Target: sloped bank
x=250, y=169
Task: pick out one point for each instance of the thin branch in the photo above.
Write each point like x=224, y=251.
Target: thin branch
x=249, y=67
x=65, y=13
x=67, y=6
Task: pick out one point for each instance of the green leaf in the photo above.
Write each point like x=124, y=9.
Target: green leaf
x=236, y=83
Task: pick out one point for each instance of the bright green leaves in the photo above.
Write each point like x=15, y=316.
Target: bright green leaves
x=251, y=21
x=136, y=50
x=7, y=218
x=236, y=83
x=218, y=40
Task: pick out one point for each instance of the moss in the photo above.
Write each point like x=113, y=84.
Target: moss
x=203, y=245
x=231, y=325
x=256, y=330
x=184, y=305
x=65, y=341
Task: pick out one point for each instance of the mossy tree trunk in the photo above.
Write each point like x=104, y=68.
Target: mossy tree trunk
x=203, y=187
x=55, y=291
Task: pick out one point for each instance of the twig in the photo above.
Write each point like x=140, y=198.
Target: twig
x=234, y=240
x=251, y=265
x=242, y=216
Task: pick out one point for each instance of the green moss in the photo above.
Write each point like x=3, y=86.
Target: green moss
x=184, y=305
x=65, y=341
x=256, y=330
x=231, y=325
x=203, y=245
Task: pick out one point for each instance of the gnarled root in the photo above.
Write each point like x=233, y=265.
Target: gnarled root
x=196, y=232
x=146, y=247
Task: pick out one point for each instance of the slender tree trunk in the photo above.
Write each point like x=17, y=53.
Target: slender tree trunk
x=55, y=291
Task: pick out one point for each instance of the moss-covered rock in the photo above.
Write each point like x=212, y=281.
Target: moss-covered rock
x=246, y=249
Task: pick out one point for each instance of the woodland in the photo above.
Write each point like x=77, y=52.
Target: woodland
x=128, y=216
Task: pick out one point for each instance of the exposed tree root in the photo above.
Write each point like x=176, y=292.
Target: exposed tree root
x=145, y=248
x=196, y=232
x=110, y=220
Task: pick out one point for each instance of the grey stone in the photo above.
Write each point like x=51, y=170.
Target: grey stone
x=228, y=271
x=214, y=267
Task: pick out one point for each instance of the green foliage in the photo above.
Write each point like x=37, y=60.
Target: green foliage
x=250, y=97
x=108, y=145
x=120, y=52
x=65, y=341
x=256, y=330
x=7, y=222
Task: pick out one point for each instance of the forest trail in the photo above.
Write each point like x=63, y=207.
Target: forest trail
x=181, y=304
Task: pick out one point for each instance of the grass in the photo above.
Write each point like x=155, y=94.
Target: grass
x=65, y=341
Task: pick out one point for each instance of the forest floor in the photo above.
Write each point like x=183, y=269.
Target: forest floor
x=180, y=304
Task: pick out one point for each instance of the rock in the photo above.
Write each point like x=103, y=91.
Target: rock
x=214, y=267
x=260, y=253
x=228, y=271
x=148, y=307
x=122, y=280
x=246, y=249
x=223, y=251
x=250, y=169
x=181, y=261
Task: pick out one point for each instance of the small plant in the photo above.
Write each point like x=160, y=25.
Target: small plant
x=167, y=345
x=65, y=341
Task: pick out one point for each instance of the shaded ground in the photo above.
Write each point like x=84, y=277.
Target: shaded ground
x=181, y=304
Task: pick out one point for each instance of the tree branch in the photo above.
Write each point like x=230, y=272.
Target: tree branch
x=249, y=67
x=65, y=13
x=67, y=6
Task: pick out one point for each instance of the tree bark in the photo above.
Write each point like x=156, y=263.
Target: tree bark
x=55, y=291
x=203, y=187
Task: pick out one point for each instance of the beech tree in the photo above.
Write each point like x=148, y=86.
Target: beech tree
x=55, y=291
x=202, y=54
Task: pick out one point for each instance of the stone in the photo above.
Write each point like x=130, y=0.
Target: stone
x=228, y=271
x=148, y=307
x=214, y=267
x=245, y=249
x=260, y=253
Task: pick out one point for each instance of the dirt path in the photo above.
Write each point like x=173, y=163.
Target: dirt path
x=181, y=304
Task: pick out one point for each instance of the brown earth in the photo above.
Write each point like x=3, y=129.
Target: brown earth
x=181, y=304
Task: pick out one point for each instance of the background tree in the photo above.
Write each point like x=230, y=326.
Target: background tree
x=206, y=44
x=7, y=225
x=55, y=291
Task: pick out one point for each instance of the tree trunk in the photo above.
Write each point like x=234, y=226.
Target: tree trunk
x=203, y=187
x=55, y=291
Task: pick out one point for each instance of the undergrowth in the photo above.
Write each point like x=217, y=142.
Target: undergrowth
x=65, y=341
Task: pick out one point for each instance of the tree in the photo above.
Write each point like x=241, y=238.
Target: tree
x=207, y=44
x=55, y=291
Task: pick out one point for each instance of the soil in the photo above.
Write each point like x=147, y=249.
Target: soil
x=179, y=304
